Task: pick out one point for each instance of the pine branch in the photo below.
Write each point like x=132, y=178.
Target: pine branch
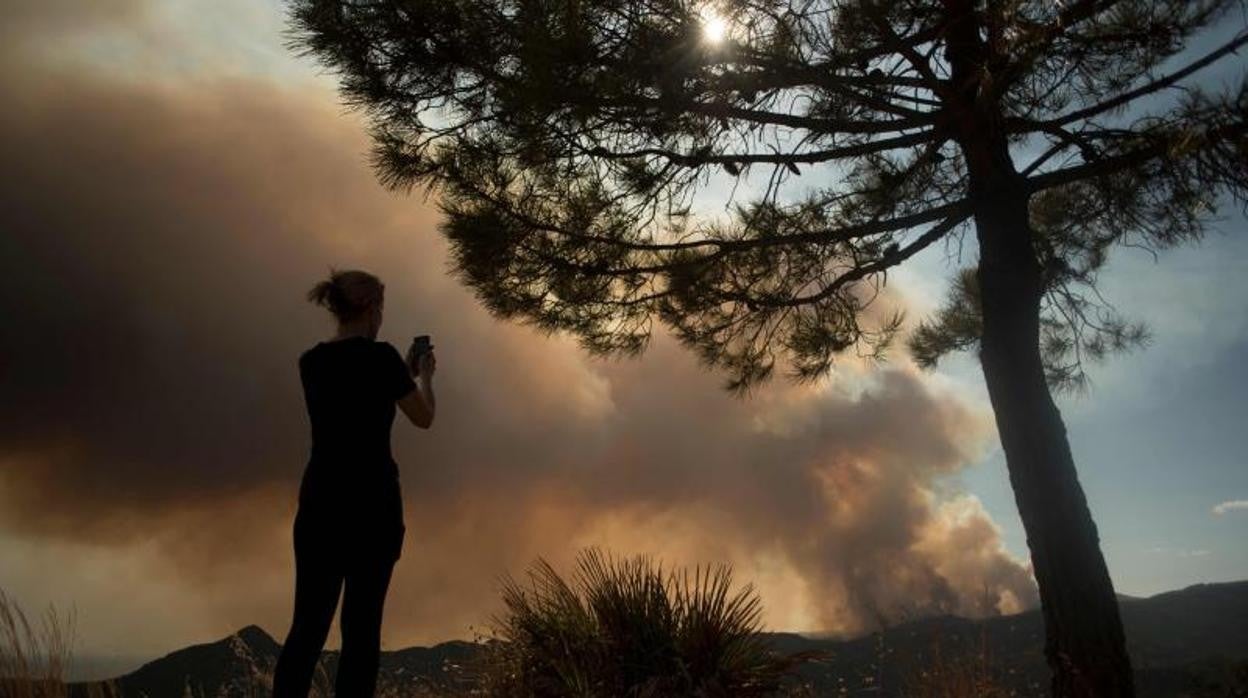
x=734, y=159
x=891, y=258
x=1024, y=125
x=1139, y=156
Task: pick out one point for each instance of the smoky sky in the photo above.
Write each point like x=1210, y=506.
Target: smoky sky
x=157, y=242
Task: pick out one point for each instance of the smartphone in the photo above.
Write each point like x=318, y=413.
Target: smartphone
x=420, y=345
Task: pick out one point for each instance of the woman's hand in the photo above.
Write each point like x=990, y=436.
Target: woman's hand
x=419, y=405
x=425, y=365
x=428, y=364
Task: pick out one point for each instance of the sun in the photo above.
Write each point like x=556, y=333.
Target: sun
x=714, y=27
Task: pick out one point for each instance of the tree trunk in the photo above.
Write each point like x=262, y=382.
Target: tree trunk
x=1084, y=641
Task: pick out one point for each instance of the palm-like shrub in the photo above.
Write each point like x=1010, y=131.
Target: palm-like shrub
x=625, y=628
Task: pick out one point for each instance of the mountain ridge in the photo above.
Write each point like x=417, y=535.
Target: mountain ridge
x=1181, y=642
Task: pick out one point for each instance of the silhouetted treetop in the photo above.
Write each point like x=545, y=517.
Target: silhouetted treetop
x=567, y=140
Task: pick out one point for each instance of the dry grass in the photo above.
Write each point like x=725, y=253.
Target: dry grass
x=34, y=658
x=956, y=673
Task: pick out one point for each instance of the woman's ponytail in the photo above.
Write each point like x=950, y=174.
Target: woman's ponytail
x=347, y=294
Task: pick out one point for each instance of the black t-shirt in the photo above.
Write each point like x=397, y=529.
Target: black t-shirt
x=350, y=387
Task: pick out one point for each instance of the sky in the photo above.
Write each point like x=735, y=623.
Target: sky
x=173, y=180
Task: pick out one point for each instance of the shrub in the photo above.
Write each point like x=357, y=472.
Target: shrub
x=624, y=628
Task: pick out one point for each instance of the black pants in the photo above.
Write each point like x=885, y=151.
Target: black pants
x=329, y=561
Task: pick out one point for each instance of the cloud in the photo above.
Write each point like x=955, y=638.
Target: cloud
x=38, y=17
x=158, y=241
x=1180, y=552
x=1231, y=505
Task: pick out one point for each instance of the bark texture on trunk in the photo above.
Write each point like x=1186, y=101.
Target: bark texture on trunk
x=1084, y=642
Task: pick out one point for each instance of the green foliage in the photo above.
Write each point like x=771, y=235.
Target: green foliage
x=955, y=327
x=1065, y=346
x=627, y=628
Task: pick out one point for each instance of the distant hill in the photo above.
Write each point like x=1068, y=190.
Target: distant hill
x=1192, y=642
x=242, y=664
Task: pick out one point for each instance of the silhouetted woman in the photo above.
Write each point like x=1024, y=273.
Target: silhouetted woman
x=348, y=531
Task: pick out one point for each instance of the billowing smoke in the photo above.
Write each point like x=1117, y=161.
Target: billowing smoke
x=157, y=244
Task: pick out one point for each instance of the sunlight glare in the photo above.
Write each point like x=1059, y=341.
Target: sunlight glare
x=714, y=27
